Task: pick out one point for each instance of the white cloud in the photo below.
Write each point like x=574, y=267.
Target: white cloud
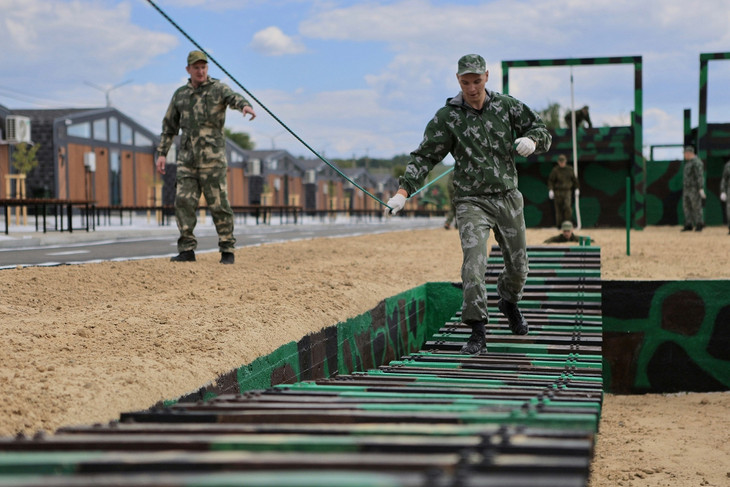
x=273, y=42
x=73, y=41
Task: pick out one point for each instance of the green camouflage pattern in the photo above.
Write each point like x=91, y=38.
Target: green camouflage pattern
x=482, y=144
x=211, y=180
x=604, y=163
x=692, y=183
x=562, y=182
x=485, y=187
x=471, y=64
x=474, y=218
x=201, y=114
x=201, y=160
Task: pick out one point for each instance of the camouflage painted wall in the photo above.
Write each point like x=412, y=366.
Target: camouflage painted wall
x=666, y=336
x=397, y=326
x=605, y=159
x=604, y=162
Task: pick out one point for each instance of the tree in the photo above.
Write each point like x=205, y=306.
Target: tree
x=242, y=139
x=551, y=116
x=24, y=157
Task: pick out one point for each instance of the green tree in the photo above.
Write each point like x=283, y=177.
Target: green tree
x=241, y=138
x=551, y=116
x=24, y=157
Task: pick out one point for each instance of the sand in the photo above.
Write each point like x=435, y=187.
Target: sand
x=84, y=343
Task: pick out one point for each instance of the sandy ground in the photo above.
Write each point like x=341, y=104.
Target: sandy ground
x=83, y=343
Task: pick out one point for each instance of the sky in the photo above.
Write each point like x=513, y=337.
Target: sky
x=359, y=79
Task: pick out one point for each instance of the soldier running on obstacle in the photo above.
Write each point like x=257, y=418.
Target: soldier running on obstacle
x=483, y=130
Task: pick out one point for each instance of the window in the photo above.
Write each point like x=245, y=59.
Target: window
x=125, y=134
x=113, y=130
x=115, y=179
x=236, y=157
x=80, y=130
x=100, y=129
x=141, y=140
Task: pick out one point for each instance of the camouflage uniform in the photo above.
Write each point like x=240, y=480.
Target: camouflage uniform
x=451, y=213
x=201, y=160
x=693, y=182
x=560, y=238
x=562, y=182
x=485, y=187
x=724, y=187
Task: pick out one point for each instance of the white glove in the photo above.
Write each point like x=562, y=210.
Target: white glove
x=525, y=146
x=577, y=192
x=723, y=196
x=702, y=194
x=551, y=194
x=396, y=204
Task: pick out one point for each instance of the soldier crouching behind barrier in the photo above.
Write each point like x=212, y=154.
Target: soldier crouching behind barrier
x=482, y=130
x=199, y=109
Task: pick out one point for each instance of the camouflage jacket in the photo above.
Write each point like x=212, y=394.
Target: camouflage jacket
x=693, y=175
x=562, y=179
x=481, y=142
x=201, y=114
x=560, y=238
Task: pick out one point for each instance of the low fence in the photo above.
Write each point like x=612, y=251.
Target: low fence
x=58, y=215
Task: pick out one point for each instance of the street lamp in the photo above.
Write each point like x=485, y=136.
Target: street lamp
x=108, y=90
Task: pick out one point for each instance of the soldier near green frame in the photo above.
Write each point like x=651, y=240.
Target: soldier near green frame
x=582, y=118
x=199, y=109
x=693, y=193
x=483, y=130
x=562, y=183
x=724, y=187
x=566, y=235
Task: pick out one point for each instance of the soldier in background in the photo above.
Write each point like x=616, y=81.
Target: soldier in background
x=199, y=109
x=561, y=183
x=483, y=130
x=566, y=234
x=581, y=117
x=724, y=187
x=693, y=193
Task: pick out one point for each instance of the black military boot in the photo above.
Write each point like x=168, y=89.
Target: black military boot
x=477, y=341
x=184, y=256
x=687, y=228
x=227, y=258
x=699, y=227
x=517, y=322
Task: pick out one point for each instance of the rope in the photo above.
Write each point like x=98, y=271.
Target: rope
x=431, y=182
x=262, y=105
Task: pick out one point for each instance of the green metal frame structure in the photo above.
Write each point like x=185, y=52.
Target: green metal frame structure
x=705, y=58
x=637, y=169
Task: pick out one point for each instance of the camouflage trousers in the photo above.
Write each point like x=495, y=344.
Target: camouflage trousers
x=692, y=207
x=211, y=181
x=475, y=216
x=563, y=208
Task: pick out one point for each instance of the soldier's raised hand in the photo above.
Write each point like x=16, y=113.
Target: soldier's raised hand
x=525, y=146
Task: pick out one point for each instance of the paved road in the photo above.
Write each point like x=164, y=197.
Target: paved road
x=134, y=243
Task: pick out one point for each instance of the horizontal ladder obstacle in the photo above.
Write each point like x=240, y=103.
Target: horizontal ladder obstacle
x=524, y=413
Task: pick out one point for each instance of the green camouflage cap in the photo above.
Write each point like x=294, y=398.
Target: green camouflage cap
x=567, y=225
x=472, y=64
x=195, y=56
